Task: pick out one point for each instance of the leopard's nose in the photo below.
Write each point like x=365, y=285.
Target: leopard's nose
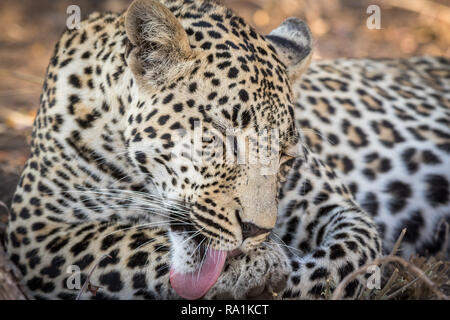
x=251, y=230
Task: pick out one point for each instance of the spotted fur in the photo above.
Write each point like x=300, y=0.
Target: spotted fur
x=386, y=132
x=102, y=177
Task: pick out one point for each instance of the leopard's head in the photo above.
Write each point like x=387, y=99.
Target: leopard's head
x=217, y=121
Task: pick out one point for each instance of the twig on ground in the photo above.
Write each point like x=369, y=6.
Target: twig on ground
x=443, y=253
x=386, y=288
x=339, y=291
x=401, y=289
x=398, y=243
x=87, y=284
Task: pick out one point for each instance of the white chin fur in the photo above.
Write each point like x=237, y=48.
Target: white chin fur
x=185, y=256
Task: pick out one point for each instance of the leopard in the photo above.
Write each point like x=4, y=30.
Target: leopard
x=179, y=154
x=384, y=125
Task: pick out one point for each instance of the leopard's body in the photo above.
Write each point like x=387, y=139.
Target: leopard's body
x=101, y=178
x=384, y=125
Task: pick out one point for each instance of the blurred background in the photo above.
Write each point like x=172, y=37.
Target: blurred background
x=29, y=30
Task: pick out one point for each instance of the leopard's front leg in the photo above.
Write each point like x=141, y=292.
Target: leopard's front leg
x=326, y=232
x=137, y=265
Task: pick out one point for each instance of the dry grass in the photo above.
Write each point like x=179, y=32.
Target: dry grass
x=419, y=278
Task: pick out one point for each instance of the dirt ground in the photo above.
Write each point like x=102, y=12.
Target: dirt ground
x=29, y=29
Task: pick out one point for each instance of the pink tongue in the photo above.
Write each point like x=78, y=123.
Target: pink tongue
x=195, y=284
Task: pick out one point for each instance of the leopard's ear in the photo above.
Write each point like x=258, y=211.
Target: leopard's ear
x=159, y=46
x=293, y=43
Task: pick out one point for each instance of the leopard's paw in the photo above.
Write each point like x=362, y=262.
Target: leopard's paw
x=258, y=274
